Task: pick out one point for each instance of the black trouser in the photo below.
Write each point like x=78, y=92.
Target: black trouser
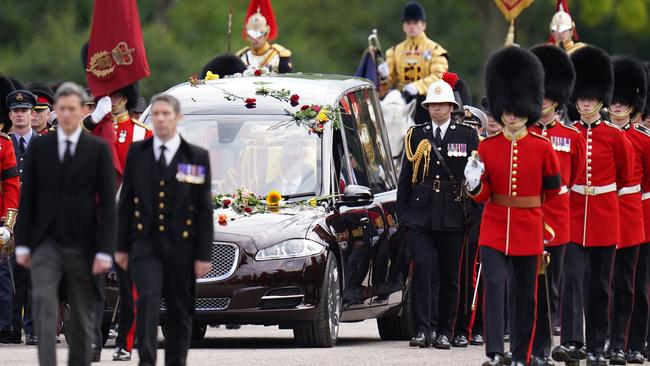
x=468, y=273
x=162, y=270
x=622, y=295
x=127, y=315
x=586, y=280
x=547, y=302
x=22, y=318
x=52, y=265
x=639, y=323
x=100, y=305
x=436, y=257
x=520, y=276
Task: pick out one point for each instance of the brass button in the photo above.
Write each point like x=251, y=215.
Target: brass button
x=589, y=140
x=140, y=226
x=589, y=133
x=185, y=234
x=188, y=222
x=161, y=217
x=438, y=162
x=136, y=200
x=137, y=213
x=514, y=158
x=516, y=151
x=161, y=205
x=588, y=161
x=588, y=168
x=161, y=228
x=514, y=186
x=514, y=144
x=514, y=193
x=514, y=172
x=437, y=177
x=515, y=165
x=161, y=194
x=514, y=179
x=544, y=134
x=589, y=153
x=162, y=183
x=589, y=147
x=589, y=175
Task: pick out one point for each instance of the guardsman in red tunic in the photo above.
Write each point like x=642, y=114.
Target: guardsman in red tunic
x=519, y=171
x=569, y=146
x=594, y=205
x=9, y=174
x=628, y=99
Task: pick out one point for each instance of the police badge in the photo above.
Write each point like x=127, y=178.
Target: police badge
x=428, y=55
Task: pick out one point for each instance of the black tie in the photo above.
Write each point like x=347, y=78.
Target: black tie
x=67, y=155
x=162, y=161
x=437, y=138
x=21, y=145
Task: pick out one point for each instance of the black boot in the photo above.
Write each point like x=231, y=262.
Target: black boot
x=617, y=357
x=420, y=340
x=596, y=359
x=460, y=341
x=442, y=342
x=635, y=357
x=566, y=353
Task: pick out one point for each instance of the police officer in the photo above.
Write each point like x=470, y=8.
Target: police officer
x=589, y=256
x=21, y=115
x=628, y=99
x=260, y=53
x=431, y=203
x=512, y=174
x=412, y=65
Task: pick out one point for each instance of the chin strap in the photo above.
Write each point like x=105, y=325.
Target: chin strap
x=591, y=112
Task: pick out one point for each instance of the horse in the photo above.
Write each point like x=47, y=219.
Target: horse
x=398, y=116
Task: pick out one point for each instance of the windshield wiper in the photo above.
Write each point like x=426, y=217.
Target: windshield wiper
x=299, y=195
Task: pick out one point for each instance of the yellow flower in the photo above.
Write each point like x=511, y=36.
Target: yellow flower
x=273, y=198
x=210, y=76
x=312, y=202
x=322, y=116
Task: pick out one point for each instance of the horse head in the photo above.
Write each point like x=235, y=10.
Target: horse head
x=398, y=116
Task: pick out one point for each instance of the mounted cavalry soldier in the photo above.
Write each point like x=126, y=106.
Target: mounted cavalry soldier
x=431, y=203
x=563, y=31
x=412, y=65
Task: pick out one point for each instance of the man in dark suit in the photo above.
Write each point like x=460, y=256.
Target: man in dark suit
x=431, y=203
x=66, y=227
x=165, y=230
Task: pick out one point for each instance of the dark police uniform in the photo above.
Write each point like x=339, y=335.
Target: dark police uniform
x=165, y=224
x=431, y=204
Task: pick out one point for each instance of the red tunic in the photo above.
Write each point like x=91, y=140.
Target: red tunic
x=607, y=162
x=569, y=147
x=525, y=167
x=128, y=131
x=9, y=176
x=639, y=136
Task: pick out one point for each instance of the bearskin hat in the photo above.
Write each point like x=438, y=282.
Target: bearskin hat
x=646, y=109
x=6, y=87
x=131, y=92
x=594, y=74
x=559, y=75
x=514, y=83
x=224, y=65
x=630, y=83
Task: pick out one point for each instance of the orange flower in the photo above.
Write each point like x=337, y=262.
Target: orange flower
x=223, y=219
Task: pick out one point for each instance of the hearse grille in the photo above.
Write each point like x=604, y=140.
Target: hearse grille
x=224, y=258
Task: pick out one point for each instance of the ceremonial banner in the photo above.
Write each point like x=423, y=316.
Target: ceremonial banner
x=512, y=8
x=116, y=54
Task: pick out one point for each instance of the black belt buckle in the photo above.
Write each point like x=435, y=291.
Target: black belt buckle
x=436, y=185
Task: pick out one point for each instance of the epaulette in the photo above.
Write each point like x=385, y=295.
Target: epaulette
x=465, y=125
x=136, y=122
x=282, y=51
x=608, y=123
x=572, y=128
x=539, y=136
x=643, y=129
x=242, y=51
x=4, y=135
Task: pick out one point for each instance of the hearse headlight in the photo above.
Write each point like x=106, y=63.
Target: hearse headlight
x=291, y=248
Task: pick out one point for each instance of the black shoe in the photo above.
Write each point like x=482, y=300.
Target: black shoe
x=507, y=359
x=506, y=338
x=121, y=354
x=556, y=330
x=31, y=340
x=459, y=341
x=58, y=339
x=496, y=360
x=541, y=361
x=617, y=357
x=635, y=357
x=476, y=340
x=15, y=337
x=582, y=352
x=596, y=359
x=420, y=340
x=518, y=363
x=432, y=338
x=442, y=342
x=566, y=353
x=97, y=353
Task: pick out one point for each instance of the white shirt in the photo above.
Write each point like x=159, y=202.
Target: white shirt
x=171, y=145
x=443, y=128
x=62, y=138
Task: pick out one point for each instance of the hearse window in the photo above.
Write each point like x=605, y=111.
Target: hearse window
x=355, y=152
x=340, y=175
x=379, y=168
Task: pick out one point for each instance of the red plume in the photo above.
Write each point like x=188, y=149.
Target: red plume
x=450, y=78
x=267, y=11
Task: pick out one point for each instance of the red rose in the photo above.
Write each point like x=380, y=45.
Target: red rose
x=248, y=209
x=258, y=72
x=304, y=107
x=226, y=202
x=315, y=108
x=250, y=101
x=294, y=98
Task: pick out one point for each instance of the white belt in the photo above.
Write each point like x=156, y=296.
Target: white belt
x=563, y=190
x=593, y=190
x=645, y=195
x=629, y=190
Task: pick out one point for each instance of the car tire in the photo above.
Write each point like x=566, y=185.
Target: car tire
x=198, y=331
x=323, y=331
x=400, y=326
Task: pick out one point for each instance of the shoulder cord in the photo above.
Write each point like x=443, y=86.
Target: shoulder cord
x=423, y=151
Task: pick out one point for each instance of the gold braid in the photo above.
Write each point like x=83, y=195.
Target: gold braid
x=423, y=151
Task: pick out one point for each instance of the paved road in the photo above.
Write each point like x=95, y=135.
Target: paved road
x=359, y=344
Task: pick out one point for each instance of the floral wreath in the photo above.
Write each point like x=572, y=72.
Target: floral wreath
x=312, y=117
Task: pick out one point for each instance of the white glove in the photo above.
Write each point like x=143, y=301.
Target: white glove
x=5, y=234
x=382, y=69
x=473, y=171
x=104, y=107
x=411, y=89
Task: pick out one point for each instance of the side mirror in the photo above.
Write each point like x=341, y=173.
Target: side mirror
x=356, y=196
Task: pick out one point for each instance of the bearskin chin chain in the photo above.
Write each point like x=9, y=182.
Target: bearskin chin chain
x=423, y=151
